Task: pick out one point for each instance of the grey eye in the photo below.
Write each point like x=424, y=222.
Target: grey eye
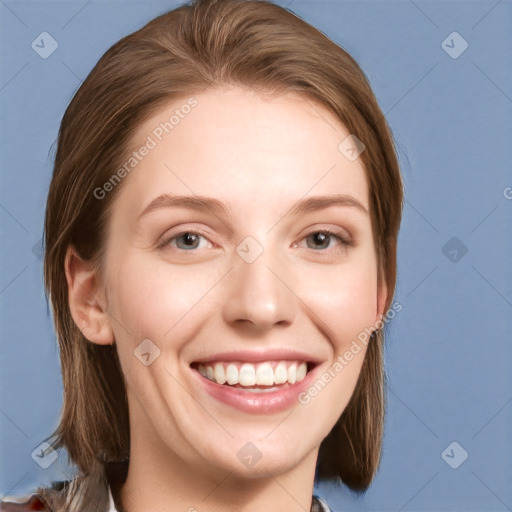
x=190, y=241
x=320, y=240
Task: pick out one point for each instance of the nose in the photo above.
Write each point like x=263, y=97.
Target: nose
x=260, y=294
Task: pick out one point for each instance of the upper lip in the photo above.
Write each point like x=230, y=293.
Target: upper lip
x=258, y=356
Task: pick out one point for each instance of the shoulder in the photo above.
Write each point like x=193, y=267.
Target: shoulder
x=36, y=500
x=33, y=501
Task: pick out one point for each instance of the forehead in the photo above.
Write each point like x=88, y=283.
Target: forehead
x=238, y=145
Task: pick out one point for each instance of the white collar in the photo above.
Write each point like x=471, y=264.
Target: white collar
x=112, y=506
x=323, y=504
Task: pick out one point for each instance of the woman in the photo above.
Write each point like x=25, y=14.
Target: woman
x=221, y=234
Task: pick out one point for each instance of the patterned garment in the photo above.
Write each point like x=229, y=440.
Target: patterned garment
x=319, y=505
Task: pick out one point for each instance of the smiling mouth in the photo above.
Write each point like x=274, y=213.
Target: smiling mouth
x=265, y=376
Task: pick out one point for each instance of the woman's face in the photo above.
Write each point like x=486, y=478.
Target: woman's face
x=218, y=266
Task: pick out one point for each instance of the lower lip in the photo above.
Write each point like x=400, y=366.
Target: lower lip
x=256, y=403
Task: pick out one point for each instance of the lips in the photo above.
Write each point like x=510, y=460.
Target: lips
x=255, y=382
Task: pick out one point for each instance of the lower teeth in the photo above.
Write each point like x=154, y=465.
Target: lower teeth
x=255, y=389
x=259, y=390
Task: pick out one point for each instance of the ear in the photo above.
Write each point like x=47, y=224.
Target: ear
x=87, y=301
x=382, y=295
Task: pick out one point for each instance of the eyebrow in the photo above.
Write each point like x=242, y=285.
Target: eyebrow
x=195, y=202
x=314, y=203
x=203, y=203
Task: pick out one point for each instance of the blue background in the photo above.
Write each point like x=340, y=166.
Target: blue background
x=448, y=352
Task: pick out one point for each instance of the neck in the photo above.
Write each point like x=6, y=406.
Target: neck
x=159, y=480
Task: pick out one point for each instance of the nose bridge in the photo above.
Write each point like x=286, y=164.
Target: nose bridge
x=258, y=292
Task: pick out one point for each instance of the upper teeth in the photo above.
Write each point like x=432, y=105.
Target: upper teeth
x=261, y=374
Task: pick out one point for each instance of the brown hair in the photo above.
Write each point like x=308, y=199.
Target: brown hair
x=250, y=43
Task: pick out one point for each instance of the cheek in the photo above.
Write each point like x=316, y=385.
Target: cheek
x=154, y=301
x=345, y=301
x=346, y=304
x=160, y=303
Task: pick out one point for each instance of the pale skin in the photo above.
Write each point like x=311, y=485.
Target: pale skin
x=258, y=156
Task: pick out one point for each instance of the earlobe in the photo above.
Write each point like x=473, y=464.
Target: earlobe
x=86, y=299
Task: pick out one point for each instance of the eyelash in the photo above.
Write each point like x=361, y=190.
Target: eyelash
x=168, y=240
x=344, y=241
